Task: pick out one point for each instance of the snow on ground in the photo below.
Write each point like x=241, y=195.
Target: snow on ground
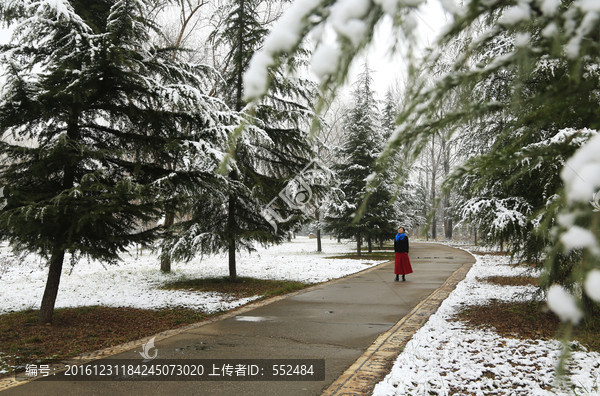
x=136, y=281
x=447, y=357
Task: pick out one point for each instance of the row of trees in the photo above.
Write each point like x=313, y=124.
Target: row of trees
x=114, y=133
x=520, y=91
x=111, y=139
x=389, y=205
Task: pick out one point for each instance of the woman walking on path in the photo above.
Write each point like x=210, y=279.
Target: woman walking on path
x=402, y=265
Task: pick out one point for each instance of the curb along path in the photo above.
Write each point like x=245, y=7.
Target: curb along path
x=10, y=381
x=377, y=361
x=357, y=325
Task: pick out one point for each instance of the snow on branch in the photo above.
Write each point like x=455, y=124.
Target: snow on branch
x=284, y=37
x=581, y=173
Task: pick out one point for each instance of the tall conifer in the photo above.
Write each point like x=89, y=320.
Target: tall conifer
x=89, y=116
x=267, y=150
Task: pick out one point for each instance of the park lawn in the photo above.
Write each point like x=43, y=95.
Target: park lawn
x=524, y=319
x=136, y=281
x=86, y=329
x=494, y=335
x=145, y=299
x=241, y=287
x=80, y=330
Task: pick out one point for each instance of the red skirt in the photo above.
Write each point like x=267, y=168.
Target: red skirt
x=402, y=265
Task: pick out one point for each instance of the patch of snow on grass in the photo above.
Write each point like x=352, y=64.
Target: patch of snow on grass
x=136, y=281
x=448, y=357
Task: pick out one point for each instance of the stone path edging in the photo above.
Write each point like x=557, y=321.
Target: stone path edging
x=359, y=379
x=10, y=381
x=369, y=369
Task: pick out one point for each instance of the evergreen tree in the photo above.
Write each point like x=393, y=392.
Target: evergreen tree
x=399, y=198
x=89, y=116
x=532, y=140
x=362, y=145
x=267, y=150
x=389, y=114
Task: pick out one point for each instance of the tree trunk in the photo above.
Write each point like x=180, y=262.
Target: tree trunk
x=370, y=244
x=475, y=236
x=231, y=236
x=432, y=192
x=239, y=105
x=232, y=269
x=592, y=319
x=165, y=261
x=448, y=225
x=318, y=217
x=447, y=217
x=58, y=252
x=51, y=291
x=319, y=249
x=426, y=207
x=446, y=202
x=358, y=245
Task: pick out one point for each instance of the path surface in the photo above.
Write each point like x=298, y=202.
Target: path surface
x=343, y=322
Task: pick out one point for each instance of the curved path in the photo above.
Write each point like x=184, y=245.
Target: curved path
x=357, y=324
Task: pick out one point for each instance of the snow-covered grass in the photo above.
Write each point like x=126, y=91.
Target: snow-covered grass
x=443, y=357
x=136, y=281
x=448, y=357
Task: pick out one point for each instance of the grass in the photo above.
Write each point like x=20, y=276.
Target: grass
x=80, y=330
x=490, y=253
x=526, y=320
x=530, y=320
x=240, y=288
x=87, y=329
x=385, y=247
x=512, y=280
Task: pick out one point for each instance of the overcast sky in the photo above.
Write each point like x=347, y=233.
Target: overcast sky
x=389, y=67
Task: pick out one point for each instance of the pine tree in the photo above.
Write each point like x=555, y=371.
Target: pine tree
x=389, y=114
x=272, y=148
x=362, y=145
x=93, y=113
x=399, y=199
x=532, y=140
x=532, y=96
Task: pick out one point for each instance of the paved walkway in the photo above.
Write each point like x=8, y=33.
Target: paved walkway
x=357, y=324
